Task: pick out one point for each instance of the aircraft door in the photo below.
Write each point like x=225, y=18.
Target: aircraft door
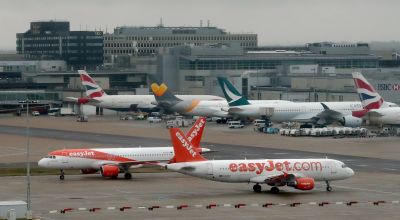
x=210, y=171
x=333, y=167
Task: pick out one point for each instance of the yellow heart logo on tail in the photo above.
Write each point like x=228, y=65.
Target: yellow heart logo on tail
x=158, y=90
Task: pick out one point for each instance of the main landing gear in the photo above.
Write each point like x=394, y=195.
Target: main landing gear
x=128, y=176
x=328, y=186
x=257, y=188
x=275, y=190
x=62, y=174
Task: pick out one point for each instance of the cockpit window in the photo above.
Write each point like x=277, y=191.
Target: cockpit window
x=50, y=156
x=344, y=166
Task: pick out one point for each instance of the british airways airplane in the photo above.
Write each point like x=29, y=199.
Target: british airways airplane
x=375, y=110
x=97, y=97
x=112, y=161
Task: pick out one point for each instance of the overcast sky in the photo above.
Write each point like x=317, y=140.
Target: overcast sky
x=275, y=21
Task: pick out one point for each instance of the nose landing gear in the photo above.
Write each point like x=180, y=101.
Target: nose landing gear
x=328, y=186
x=62, y=174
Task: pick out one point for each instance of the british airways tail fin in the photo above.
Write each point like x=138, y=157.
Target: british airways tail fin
x=93, y=90
x=233, y=96
x=183, y=149
x=369, y=97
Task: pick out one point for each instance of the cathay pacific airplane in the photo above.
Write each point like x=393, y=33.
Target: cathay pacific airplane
x=375, y=110
x=97, y=97
x=196, y=107
x=320, y=113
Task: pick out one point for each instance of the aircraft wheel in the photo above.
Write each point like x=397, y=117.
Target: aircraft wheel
x=62, y=177
x=328, y=188
x=275, y=190
x=257, y=188
x=128, y=176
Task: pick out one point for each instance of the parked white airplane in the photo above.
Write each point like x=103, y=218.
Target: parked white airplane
x=111, y=161
x=320, y=113
x=375, y=110
x=297, y=173
x=97, y=97
x=197, y=107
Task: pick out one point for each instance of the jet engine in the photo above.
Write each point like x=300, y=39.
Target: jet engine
x=83, y=100
x=303, y=183
x=351, y=121
x=89, y=171
x=109, y=171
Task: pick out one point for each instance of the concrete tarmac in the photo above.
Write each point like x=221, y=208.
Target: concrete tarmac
x=376, y=162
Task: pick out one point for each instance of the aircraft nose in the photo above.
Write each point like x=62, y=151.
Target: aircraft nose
x=350, y=172
x=42, y=162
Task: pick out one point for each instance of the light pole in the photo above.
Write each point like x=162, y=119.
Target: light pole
x=28, y=164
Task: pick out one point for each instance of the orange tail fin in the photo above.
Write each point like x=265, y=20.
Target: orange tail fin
x=183, y=149
x=195, y=133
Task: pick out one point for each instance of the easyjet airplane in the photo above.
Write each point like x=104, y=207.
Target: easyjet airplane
x=297, y=173
x=112, y=161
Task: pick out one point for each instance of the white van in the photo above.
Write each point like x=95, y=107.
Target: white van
x=258, y=122
x=235, y=124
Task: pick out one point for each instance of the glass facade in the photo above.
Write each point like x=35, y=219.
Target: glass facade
x=224, y=64
x=31, y=95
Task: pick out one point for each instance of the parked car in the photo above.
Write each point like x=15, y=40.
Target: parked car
x=35, y=113
x=235, y=124
x=154, y=119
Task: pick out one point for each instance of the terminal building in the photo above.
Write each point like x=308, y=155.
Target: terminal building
x=188, y=60
x=54, y=40
x=127, y=42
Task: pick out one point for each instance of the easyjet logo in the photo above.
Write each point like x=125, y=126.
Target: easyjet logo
x=81, y=154
x=158, y=90
x=196, y=129
x=259, y=168
x=186, y=145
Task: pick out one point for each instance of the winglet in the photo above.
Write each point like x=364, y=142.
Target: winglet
x=93, y=90
x=183, y=149
x=325, y=106
x=233, y=96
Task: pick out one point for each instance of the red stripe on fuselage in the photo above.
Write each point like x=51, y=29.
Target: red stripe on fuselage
x=90, y=154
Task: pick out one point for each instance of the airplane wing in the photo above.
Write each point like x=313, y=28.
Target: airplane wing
x=232, y=110
x=326, y=116
x=72, y=99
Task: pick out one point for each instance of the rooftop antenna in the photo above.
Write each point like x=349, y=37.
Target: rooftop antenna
x=208, y=23
x=161, y=23
x=201, y=23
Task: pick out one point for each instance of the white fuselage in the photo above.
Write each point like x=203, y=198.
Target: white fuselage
x=126, y=102
x=296, y=111
x=257, y=171
x=384, y=116
x=97, y=157
x=214, y=108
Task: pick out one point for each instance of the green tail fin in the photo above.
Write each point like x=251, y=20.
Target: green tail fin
x=233, y=96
